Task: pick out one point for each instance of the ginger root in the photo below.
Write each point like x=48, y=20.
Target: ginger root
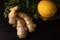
x=12, y=15
x=22, y=30
x=21, y=21
x=30, y=25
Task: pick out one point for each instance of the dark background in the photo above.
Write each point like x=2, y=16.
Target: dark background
x=45, y=30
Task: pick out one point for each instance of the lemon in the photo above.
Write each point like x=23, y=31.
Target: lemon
x=44, y=0
x=46, y=8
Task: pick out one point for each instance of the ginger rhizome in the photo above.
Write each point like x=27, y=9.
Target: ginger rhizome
x=12, y=16
x=21, y=21
x=31, y=26
x=22, y=30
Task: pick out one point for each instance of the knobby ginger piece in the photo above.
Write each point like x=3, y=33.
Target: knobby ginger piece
x=30, y=25
x=12, y=15
x=22, y=30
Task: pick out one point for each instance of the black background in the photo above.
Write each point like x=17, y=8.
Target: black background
x=45, y=30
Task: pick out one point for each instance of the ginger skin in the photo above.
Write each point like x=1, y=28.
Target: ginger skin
x=21, y=21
